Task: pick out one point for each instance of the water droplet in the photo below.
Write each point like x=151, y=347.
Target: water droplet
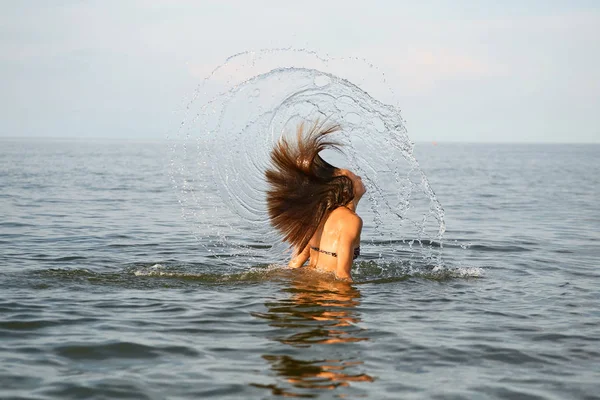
x=353, y=118
x=322, y=81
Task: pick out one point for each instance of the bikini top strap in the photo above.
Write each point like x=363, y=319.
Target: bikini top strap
x=329, y=253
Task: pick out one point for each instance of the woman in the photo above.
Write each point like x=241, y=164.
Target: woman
x=313, y=204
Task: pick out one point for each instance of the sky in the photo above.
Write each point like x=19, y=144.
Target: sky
x=462, y=71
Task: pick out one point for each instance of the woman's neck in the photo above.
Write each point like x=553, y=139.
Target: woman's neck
x=352, y=205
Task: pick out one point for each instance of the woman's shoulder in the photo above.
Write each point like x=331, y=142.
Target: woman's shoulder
x=346, y=216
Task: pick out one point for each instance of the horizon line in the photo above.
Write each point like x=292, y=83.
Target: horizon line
x=432, y=142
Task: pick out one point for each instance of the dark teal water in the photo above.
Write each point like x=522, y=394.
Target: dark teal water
x=106, y=294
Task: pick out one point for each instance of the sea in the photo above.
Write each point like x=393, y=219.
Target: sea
x=107, y=292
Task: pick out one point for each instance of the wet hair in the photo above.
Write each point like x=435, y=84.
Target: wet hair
x=304, y=188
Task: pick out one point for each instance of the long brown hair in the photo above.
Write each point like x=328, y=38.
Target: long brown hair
x=304, y=188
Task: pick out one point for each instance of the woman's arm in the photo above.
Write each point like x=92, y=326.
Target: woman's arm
x=349, y=238
x=299, y=259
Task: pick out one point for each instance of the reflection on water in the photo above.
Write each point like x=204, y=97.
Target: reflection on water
x=317, y=318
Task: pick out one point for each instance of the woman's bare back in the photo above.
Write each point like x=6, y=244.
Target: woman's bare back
x=334, y=241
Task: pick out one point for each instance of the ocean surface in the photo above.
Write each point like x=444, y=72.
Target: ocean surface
x=105, y=293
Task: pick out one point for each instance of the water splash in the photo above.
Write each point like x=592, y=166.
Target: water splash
x=238, y=113
x=174, y=275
